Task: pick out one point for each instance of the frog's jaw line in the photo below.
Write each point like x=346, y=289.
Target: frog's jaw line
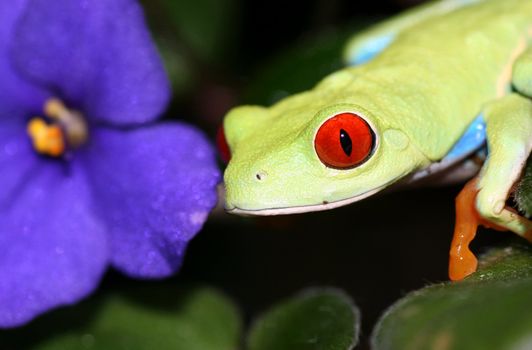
x=303, y=208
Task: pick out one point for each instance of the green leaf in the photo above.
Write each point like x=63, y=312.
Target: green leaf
x=303, y=65
x=321, y=319
x=206, y=27
x=523, y=195
x=489, y=310
x=144, y=317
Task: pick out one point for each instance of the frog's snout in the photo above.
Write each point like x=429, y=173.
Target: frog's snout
x=264, y=179
x=250, y=187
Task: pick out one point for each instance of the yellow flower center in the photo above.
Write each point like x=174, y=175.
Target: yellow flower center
x=63, y=129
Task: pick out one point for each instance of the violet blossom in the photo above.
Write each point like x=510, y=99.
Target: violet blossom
x=88, y=180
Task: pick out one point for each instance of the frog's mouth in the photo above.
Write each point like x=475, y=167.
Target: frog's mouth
x=304, y=208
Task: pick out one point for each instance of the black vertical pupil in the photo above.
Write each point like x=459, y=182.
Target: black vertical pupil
x=345, y=141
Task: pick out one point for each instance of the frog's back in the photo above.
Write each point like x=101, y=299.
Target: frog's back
x=436, y=75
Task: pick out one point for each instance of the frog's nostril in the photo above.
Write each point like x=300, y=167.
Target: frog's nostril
x=261, y=175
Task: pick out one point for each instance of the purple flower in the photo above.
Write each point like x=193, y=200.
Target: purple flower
x=87, y=179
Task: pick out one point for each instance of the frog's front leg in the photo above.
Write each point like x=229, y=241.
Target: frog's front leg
x=483, y=200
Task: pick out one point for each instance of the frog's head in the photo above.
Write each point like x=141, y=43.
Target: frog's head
x=308, y=157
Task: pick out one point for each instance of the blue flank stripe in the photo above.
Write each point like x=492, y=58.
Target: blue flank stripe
x=370, y=49
x=473, y=138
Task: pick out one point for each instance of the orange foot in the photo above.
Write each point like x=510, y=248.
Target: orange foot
x=462, y=262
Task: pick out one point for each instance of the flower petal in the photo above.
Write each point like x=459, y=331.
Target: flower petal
x=54, y=251
x=17, y=97
x=155, y=186
x=17, y=159
x=97, y=55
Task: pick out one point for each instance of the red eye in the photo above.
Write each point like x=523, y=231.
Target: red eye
x=223, y=147
x=344, y=141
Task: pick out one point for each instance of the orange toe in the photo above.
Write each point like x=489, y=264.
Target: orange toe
x=462, y=262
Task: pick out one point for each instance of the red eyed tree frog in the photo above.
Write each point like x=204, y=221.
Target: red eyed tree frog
x=425, y=92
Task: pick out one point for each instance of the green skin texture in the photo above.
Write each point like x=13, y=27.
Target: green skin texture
x=449, y=61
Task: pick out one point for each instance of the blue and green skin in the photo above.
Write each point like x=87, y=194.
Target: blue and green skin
x=432, y=83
